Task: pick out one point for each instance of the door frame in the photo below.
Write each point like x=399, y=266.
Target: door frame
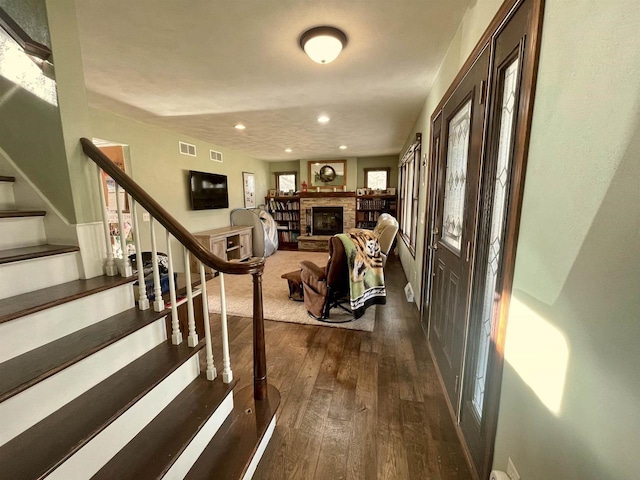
x=520, y=156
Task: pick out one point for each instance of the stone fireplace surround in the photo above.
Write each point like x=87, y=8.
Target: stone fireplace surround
x=346, y=200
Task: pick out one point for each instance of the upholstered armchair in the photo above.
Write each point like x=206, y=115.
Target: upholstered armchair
x=324, y=287
x=386, y=230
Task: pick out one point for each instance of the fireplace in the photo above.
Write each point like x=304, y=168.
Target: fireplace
x=327, y=220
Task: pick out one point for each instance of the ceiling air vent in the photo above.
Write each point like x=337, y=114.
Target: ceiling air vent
x=187, y=149
x=215, y=156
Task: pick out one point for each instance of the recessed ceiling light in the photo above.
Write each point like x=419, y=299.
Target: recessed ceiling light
x=240, y=126
x=288, y=150
x=323, y=119
x=342, y=147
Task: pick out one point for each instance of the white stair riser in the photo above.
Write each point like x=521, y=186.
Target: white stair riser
x=48, y=325
x=251, y=469
x=21, y=232
x=95, y=454
x=30, y=275
x=27, y=408
x=195, y=448
x=7, y=200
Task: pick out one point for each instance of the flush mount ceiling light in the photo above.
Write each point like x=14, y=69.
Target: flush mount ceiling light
x=323, y=119
x=288, y=150
x=240, y=126
x=323, y=44
x=342, y=147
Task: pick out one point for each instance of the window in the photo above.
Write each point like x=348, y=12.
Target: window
x=286, y=181
x=376, y=178
x=409, y=171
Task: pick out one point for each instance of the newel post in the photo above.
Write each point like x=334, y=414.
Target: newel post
x=259, y=346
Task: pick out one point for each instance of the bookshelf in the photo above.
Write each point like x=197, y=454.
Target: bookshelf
x=286, y=212
x=369, y=208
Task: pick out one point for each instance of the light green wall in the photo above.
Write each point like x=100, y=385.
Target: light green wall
x=577, y=274
x=72, y=99
x=570, y=404
x=355, y=172
x=158, y=167
x=39, y=149
x=474, y=23
x=390, y=161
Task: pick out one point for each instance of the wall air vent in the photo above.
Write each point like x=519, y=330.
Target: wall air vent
x=215, y=156
x=187, y=149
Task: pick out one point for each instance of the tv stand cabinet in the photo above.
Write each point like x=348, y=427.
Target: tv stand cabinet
x=227, y=243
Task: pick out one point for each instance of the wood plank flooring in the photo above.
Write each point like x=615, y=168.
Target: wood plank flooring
x=355, y=405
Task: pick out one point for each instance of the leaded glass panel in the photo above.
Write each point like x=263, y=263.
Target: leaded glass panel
x=495, y=238
x=456, y=177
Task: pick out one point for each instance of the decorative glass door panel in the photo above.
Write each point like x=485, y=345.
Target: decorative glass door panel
x=456, y=177
x=500, y=197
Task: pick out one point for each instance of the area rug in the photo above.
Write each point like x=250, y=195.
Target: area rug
x=275, y=294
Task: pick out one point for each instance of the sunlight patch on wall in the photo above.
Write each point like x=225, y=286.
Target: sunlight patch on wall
x=17, y=67
x=539, y=353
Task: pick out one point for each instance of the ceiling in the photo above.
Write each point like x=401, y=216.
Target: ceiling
x=202, y=69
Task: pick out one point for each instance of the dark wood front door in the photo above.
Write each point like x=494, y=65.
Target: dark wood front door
x=463, y=117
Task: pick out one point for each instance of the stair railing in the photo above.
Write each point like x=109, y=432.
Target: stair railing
x=191, y=247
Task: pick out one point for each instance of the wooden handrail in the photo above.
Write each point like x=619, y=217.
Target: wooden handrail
x=254, y=265
x=28, y=44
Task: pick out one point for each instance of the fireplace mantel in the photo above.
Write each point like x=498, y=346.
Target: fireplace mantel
x=326, y=194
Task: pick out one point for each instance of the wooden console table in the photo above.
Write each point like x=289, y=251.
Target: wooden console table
x=227, y=243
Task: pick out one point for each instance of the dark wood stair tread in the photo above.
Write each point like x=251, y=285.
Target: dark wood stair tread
x=43, y=447
x=155, y=449
x=32, y=302
x=32, y=367
x=21, y=213
x=37, y=251
x=230, y=452
x=5, y=178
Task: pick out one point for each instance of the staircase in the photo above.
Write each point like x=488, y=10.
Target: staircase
x=90, y=385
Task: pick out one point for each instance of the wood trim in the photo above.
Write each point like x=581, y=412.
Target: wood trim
x=523, y=136
x=28, y=44
x=520, y=160
x=503, y=13
x=165, y=218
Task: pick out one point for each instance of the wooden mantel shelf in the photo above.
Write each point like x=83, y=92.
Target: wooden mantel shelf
x=326, y=194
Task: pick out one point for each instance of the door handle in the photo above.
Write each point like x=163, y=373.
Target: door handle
x=433, y=246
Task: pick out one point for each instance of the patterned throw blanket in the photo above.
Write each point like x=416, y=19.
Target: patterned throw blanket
x=366, y=276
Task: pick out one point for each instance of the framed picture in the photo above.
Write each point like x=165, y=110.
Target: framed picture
x=332, y=173
x=249, y=189
x=273, y=192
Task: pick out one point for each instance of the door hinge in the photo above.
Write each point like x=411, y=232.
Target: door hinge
x=455, y=388
x=468, y=251
x=483, y=92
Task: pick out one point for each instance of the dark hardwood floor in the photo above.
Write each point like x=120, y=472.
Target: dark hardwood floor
x=364, y=405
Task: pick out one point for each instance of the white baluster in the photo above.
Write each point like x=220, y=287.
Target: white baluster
x=127, y=270
x=158, y=303
x=227, y=374
x=110, y=268
x=143, y=300
x=192, y=336
x=211, y=369
x=176, y=334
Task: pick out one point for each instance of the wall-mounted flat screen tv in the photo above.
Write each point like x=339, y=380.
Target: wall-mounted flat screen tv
x=208, y=190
